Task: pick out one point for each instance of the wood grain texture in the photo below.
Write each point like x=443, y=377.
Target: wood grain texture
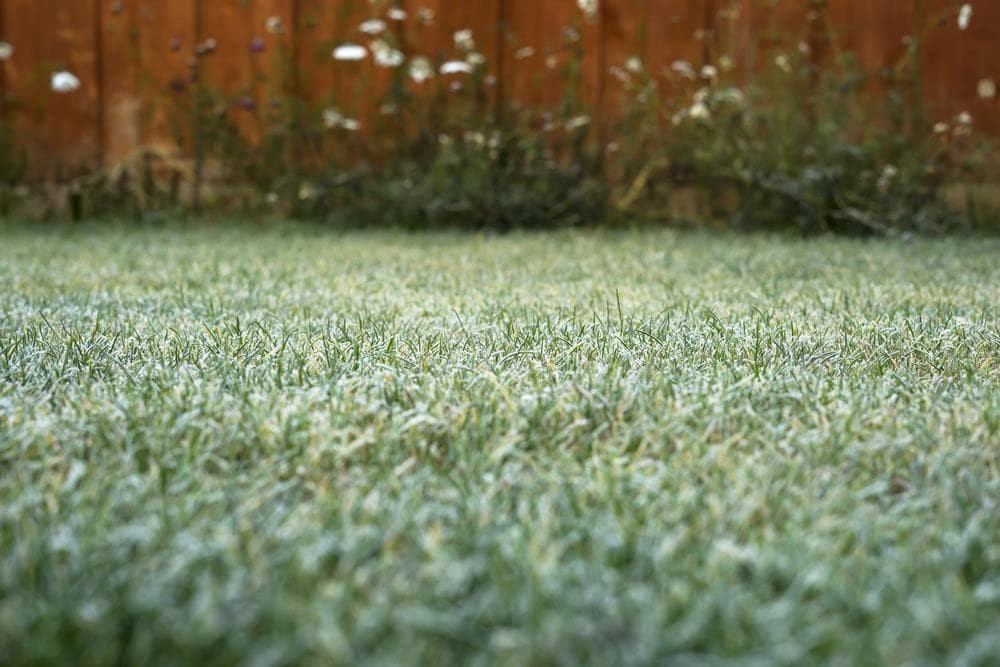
x=136, y=59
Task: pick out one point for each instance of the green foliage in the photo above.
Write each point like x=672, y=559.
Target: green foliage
x=243, y=445
x=805, y=147
x=497, y=181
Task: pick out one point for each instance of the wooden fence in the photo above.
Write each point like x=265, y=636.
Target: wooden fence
x=128, y=53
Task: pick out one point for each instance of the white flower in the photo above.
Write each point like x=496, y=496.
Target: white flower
x=552, y=61
x=963, y=124
x=524, y=52
x=388, y=109
x=421, y=69
x=941, y=128
x=964, y=16
x=425, y=15
x=475, y=59
x=333, y=119
x=464, y=40
x=726, y=63
x=577, y=122
x=684, y=69
x=620, y=74
x=456, y=67
x=731, y=95
x=396, y=14
x=64, y=82
x=372, y=27
x=783, y=63
x=701, y=94
x=634, y=64
x=385, y=55
x=699, y=111
x=709, y=72
x=6, y=51
x=588, y=7
x=885, y=181
x=274, y=25
x=986, y=89
x=350, y=52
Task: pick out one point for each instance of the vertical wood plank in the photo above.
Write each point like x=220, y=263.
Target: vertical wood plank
x=61, y=128
x=548, y=28
x=166, y=42
x=119, y=61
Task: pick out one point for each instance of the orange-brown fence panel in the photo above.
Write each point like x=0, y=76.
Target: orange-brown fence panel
x=136, y=60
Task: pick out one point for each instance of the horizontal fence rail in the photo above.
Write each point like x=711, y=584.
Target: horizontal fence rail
x=130, y=56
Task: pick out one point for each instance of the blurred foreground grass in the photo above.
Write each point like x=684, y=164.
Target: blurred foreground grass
x=273, y=446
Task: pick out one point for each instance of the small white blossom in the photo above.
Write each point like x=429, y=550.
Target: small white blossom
x=726, y=63
x=456, y=67
x=421, y=69
x=274, y=25
x=552, y=61
x=425, y=15
x=941, y=128
x=634, y=64
x=620, y=74
x=372, y=27
x=886, y=179
x=464, y=40
x=6, y=51
x=683, y=68
x=385, y=55
x=783, y=63
x=964, y=16
x=709, y=72
x=396, y=14
x=333, y=119
x=577, y=122
x=699, y=111
x=307, y=190
x=475, y=59
x=731, y=95
x=589, y=7
x=963, y=124
x=350, y=52
x=64, y=82
x=524, y=52
x=986, y=89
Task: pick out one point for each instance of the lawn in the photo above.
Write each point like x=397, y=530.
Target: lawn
x=285, y=446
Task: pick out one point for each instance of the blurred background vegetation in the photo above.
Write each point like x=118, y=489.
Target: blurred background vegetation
x=813, y=115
